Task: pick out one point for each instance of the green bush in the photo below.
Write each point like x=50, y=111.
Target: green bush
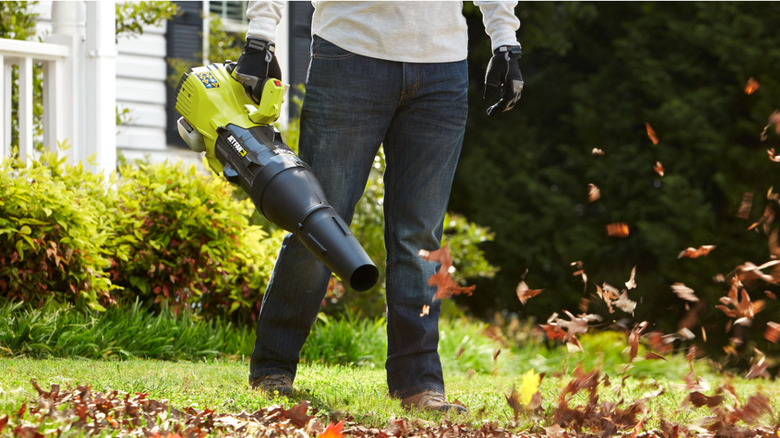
x=183, y=239
x=159, y=233
x=53, y=224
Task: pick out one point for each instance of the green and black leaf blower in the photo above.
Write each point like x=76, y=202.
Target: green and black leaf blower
x=220, y=119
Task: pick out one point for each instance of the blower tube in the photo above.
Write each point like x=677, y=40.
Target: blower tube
x=287, y=192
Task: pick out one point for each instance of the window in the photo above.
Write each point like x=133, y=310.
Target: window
x=232, y=13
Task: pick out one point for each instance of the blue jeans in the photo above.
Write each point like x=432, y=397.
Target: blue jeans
x=354, y=104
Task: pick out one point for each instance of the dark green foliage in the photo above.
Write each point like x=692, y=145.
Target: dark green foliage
x=595, y=74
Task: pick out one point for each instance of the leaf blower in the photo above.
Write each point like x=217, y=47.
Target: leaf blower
x=220, y=119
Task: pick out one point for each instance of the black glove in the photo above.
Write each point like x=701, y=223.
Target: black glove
x=255, y=64
x=503, y=79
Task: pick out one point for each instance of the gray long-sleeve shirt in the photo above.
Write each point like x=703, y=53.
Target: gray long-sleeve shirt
x=404, y=31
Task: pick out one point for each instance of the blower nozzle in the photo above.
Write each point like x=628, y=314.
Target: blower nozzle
x=241, y=144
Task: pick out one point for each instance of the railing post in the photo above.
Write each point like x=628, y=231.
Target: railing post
x=5, y=123
x=68, y=29
x=100, y=94
x=25, y=108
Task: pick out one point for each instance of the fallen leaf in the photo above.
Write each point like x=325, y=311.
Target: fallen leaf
x=651, y=133
x=659, y=168
x=513, y=399
x=332, y=431
x=617, y=229
x=3, y=422
x=593, y=192
x=684, y=292
x=524, y=293
x=693, y=253
x=751, y=86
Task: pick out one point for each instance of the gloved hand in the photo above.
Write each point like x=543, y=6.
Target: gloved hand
x=503, y=79
x=255, y=64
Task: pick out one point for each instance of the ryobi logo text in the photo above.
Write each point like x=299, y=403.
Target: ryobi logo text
x=236, y=145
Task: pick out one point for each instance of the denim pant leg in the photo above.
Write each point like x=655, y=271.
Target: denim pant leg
x=347, y=109
x=422, y=149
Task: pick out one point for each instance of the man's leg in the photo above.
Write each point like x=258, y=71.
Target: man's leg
x=422, y=149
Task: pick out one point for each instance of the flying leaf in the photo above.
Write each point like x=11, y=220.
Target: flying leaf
x=633, y=339
x=745, y=205
x=772, y=156
x=425, y=310
x=693, y=253
x=617, y=229
x=332, y=431
x=567, y=331
x=446, y=286
x=631, y=283
x=593, y=192
x=684, y=292
x=737, y=304
x=749, y=272
x=774, y=119
x=651, y=133
x=597, y=151
x=659, y=168
x=751, y=86
x=624, y=303
x=758, y=369
x=772, y=332
x=524, y=293
x=513, y=399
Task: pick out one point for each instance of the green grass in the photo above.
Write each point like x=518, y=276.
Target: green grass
x=221, y=385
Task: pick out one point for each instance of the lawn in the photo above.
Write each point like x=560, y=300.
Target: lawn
x=212, y=398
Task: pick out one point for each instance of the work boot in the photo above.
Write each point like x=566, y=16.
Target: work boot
x=273, y=383
x=431, y=400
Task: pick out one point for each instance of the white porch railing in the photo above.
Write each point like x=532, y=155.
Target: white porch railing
x=23, y=54
x=79, y=95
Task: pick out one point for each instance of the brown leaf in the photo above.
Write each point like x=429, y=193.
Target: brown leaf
x=513, y=399
x=745, y=205
x=751, y=86
x=659, y=169
x=772, y=155
x=684, y=292
x=524, y=293
x=593, y=192
x=597, y=151
x=425, y=310
x=633, y=339
x=758, y=369
x=698, y=399
x=617, y=229
x=3, y=422
x=651, y=133
x=772, y=332
x=446, y=286
x=693, y=253
x=298, y=414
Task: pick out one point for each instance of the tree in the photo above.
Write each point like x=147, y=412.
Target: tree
x=595, y=74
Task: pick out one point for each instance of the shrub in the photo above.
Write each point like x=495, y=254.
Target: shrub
x=53, y=223
x=160, y=233
x=183, y=239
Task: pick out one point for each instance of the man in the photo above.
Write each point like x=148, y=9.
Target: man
x=391, y=74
